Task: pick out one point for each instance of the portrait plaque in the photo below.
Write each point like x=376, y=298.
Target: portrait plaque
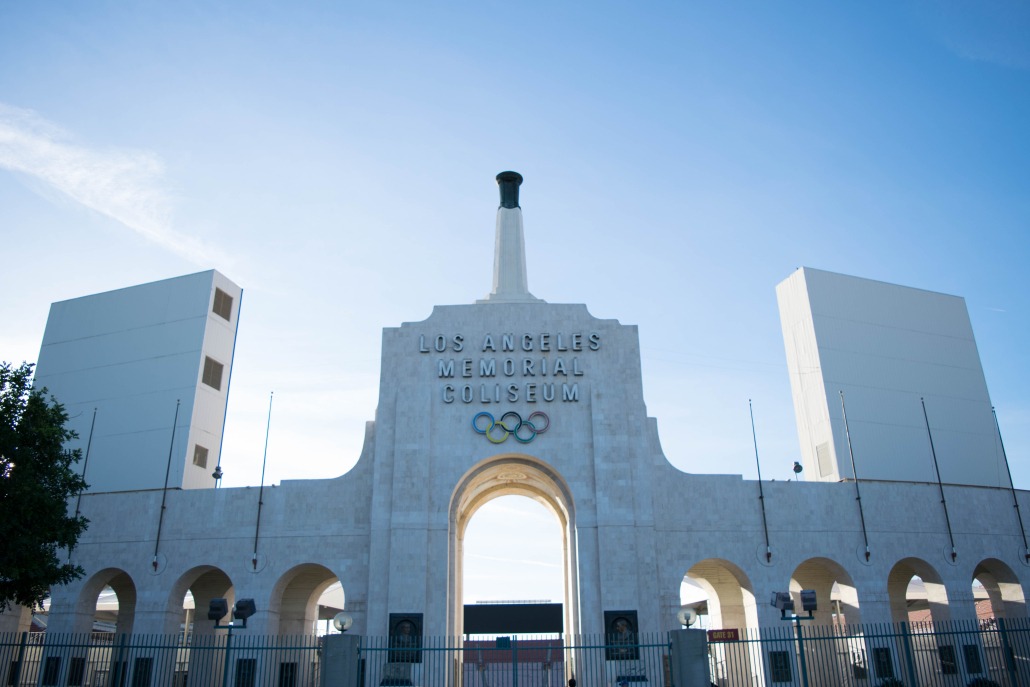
x=621, y=643
x=405, y=637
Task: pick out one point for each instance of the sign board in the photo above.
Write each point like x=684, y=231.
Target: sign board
x=732, y=635
x=514, y=618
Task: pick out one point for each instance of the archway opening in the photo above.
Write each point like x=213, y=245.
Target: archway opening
x=190, y=598
x=300, y=600
x=512, y=553
x=542, y=503
x=1004, y=593
x=330, y=602
x=105, y=618
x=836, y=595
x=108, y=600
x=723, y=596
x=917, y=593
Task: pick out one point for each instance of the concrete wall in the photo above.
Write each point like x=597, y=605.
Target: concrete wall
x=130, y=354
x=390, y=530
x=886, y=347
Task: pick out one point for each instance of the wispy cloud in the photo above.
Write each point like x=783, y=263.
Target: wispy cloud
x=125, y=185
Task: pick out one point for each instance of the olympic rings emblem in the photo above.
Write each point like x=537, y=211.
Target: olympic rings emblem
x=511, y=424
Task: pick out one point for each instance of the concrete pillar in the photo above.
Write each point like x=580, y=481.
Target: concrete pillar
x=340, y=661
x=690, y=658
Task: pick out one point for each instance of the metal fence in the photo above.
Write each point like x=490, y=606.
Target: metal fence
x=241, y=660
x=993, y=653
x=515, y=661
x=952, y=654
x=107, y=660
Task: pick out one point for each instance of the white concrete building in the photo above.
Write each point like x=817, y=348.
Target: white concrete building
x=513, y=395
x=889, y=350
x=130, y=356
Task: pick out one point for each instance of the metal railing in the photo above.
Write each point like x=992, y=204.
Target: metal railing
x=106, y=660
x=517, y=661
x=944, y=654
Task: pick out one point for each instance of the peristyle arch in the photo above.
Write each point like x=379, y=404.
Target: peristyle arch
x=503, y=475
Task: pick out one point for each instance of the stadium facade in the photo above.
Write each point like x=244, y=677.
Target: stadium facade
x=514, y=395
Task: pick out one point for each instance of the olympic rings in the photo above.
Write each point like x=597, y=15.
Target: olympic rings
x=524, y=431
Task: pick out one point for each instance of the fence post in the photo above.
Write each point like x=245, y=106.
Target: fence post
x=909, y=662
x=16, y=673
x=341, y=661
x=117, y=671
x=801, y=653
x=689, y=659
x=514, y=662
x=225, y=661
x=1006, y=648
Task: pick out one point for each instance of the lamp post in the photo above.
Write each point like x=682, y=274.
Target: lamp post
x=218, y=609
x=342, y=621
x=784, y=603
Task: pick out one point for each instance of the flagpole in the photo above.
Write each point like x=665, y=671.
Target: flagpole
x=261, y=489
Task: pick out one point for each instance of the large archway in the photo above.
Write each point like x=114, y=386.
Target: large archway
x=294, y=603
x=836, y=593
x=1003, y=589
x=730, y=605
x=520, y=475
x=512, y=552
x=731, y=597
x=119, y=604
x=203, y=583
x=917, y=592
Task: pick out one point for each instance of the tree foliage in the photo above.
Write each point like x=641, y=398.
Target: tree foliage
x=36, y=482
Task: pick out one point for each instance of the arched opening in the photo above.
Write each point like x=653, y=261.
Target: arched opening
x=190, y=597
x=836, y=595
x=494, y=571
x=722, y=593
x=726, y=596
x=917, y=593
x=330, y=602
x=295, y=605
x=511, y=475
x=1004, y=592
x=107, y=603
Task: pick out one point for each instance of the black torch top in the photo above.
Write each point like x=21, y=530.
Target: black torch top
x=509, y=185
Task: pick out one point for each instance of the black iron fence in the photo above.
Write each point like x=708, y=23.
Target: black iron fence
x=974, y=653
x=952, y=654
x=108, y=660
x=516, y=661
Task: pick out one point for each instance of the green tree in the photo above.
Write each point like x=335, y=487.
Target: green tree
x=36, y=483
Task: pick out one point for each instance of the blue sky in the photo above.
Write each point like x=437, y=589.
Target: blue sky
x=337, y=161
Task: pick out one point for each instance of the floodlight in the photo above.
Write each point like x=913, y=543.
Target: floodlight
x=782, y=602
x=797, y=468
x=808, y=600
x=218, y=609
x=243, y=609
x=342, y=621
